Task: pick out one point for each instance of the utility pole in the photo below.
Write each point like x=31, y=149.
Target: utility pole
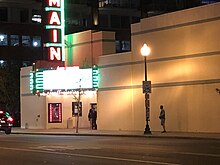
x=79, y=108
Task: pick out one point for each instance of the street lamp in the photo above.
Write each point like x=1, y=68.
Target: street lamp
x=145, y=51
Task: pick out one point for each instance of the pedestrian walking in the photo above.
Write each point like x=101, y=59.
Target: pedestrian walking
x=162, y=118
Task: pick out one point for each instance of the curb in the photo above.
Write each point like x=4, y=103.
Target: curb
x=118, y=135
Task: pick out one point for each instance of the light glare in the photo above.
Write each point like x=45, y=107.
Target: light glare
x=145, y=50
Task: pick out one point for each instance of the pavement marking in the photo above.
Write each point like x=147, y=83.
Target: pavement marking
x=199, y=154
x=186, y=153
x=55, y=148
x=89, y=156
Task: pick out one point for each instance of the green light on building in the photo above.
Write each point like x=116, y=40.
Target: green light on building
x=95, y=76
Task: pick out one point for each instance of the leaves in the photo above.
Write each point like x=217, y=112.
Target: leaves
x=10, y=86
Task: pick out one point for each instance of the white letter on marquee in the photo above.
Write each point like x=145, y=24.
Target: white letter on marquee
x=55, y=53
x=54, y=3
x=55, y=35
x=54, y=18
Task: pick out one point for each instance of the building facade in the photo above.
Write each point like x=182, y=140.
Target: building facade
x=104, y=15
x=183, y=68
x=20, y=30
x=64, y=103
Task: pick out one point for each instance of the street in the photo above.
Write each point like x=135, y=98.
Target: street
x=102, y=150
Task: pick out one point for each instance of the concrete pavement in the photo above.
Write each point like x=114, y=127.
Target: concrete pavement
x=87, y=132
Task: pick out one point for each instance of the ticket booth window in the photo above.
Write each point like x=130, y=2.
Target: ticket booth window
x=76, y=109
x=55, y=113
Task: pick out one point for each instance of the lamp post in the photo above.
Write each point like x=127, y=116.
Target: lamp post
x=145, y=51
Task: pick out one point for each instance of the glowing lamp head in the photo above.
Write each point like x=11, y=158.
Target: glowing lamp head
x=145, y=50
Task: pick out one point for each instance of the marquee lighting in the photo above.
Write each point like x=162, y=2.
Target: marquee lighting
x=54, y=11
x=64, y=79
x=95, y=76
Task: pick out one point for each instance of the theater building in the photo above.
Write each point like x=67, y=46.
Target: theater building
x=183, y=68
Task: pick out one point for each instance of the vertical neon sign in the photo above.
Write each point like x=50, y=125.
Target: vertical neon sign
x=95, y=76
x=55, y=29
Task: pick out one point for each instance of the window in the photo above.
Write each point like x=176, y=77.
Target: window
x=3, y=14
x=122, y=46
x=36, y=16
x=54, y=112
x=24, y=16
x=36, y=41
x=103, y=20
x=125, y=22
x=101, y=4
x=3, y=40
x=14, y=40
x=76, y=108
x=115, y=21
x=118, y=46
x=125, y=46
x=104, y=3
x=208, y=1
x=26, y=41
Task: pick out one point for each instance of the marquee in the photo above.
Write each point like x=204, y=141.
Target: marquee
x=64, y=79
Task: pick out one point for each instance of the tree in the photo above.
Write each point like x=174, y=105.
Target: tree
x=10, y=88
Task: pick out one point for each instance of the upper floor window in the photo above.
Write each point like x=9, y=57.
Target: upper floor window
x=102, y=3
x=125, y=22
x=36, y=41
x=14, y=40
x=118, y=46
x=26, y=41
x=3, y=40
x=103, y=20
x=115, y=21
x=76, y=1
x=24, y=16
x=125, y=45
x=122, y=46
x=36, y=16
x=119, y=3
x=3, y=14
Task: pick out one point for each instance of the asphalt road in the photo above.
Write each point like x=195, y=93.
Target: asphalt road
x=101, y=150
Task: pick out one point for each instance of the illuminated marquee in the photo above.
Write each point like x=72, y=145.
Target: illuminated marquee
x=69, y=78
x=55, y=29
x=64, y=79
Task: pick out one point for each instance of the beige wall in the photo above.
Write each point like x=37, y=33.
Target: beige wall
x=86, y=47
x=33, y=114
x=184, y=69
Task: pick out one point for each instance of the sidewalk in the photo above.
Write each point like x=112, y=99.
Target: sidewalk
x=85, y=132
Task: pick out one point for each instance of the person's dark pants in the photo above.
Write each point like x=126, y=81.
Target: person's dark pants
x=94, y=125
